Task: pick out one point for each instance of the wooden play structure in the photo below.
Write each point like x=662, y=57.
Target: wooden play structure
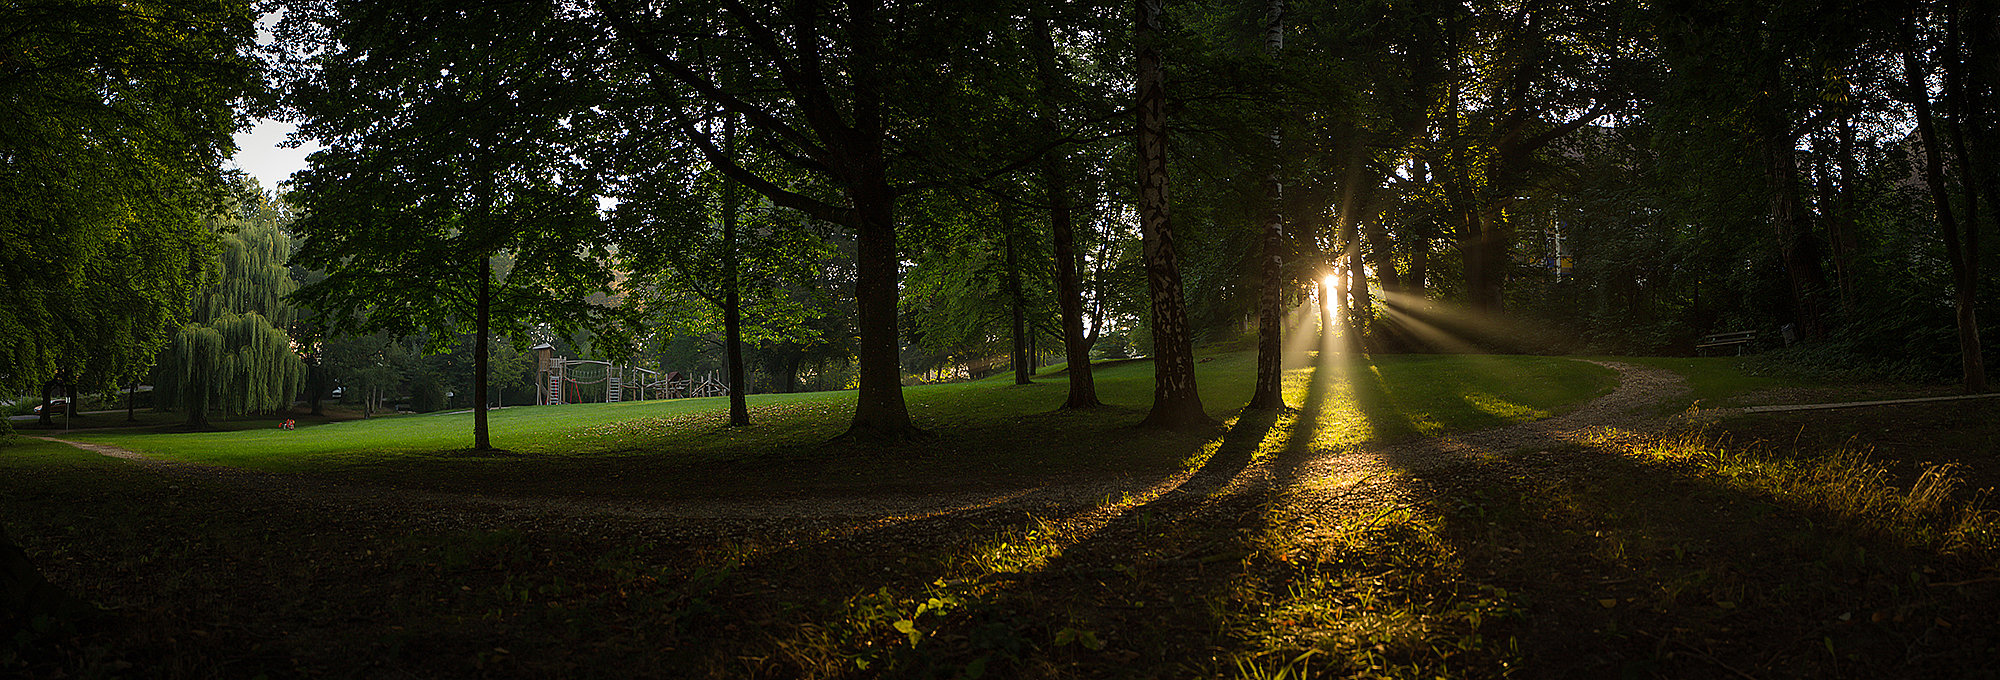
x=575, y=381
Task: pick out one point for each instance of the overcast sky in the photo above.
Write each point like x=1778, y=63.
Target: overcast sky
x=258, y=153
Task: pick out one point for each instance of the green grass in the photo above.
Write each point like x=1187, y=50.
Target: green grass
x=1674, y=555
x=988, y=429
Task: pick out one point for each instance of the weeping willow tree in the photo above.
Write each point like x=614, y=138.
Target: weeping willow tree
x=236, y=356
x=254, y=276
x=196, y=352
x=236, y=364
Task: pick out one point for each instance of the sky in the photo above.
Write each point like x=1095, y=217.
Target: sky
x=258, y=153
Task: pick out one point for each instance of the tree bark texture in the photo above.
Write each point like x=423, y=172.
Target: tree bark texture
x=1363, y=307
x=1963, y=274
x=1268, y=394
x=315, y=380
x=1062, y=230
x=1384, y=257
x=879, y=410
x=732, y=292
x=1795, y=245
x=481, y=344
x=1325, y=301
x=1176, y=403
x=1017, y=301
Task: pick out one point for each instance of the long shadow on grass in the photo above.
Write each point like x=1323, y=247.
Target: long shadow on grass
x=1597, y=563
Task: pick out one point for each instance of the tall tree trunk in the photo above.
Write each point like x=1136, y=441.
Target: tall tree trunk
x=1384, y=258
x=1363, y=307
x=197, y=391
x=1325, y=301
x=1268, y=393
x=1840, y=229
x=1176, y=402
x=1062, y=232
x=48, y=412
x=1486, y=265
x=1802, y=272
x=879, y=410
x=482, y=329
x=1474, y=240
x=1418, y=284
x=315, y=380
x=732, y=292
x=1034, y=351
x=1343, y=283
x=1023, y=364
x=1963, y=275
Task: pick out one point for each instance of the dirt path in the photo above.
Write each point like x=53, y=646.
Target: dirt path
x=1323, y=481
x=1323, y=489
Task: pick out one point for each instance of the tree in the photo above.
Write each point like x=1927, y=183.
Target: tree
x=1957, y=227
x=684, y=228
x=837, y=91
x=1269, y=393
x=119, y=116
x=1055, y=176
x=1176, y=402
x=449, y=198
x=246, y=363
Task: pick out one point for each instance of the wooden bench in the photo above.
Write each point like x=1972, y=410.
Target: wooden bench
x=1738, y=339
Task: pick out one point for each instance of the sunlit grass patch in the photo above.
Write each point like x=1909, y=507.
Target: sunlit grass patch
x=1384, y=595
x=1845, y=484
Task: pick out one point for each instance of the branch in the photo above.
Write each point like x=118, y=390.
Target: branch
x=1541, y=140
x=817, y=209
x=756, y=115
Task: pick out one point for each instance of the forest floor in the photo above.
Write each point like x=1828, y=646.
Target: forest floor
x=1621, y=537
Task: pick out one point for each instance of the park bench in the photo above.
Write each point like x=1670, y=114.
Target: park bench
x=1737, y=339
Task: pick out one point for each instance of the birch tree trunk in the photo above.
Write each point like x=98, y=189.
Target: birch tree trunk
x=1176, y=403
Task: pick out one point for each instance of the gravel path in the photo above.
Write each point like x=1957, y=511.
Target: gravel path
x=1320, y=481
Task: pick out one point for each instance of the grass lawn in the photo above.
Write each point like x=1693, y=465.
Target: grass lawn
x=988, y=432
x=1679, y=555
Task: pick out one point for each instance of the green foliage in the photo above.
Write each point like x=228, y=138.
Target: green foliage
x=408, y=209
x=198, y=353
x=250, y=365
x=119, y=118
x=253, y=275
x=258, y=370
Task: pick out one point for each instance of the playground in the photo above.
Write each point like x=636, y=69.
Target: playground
x=586, y=381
